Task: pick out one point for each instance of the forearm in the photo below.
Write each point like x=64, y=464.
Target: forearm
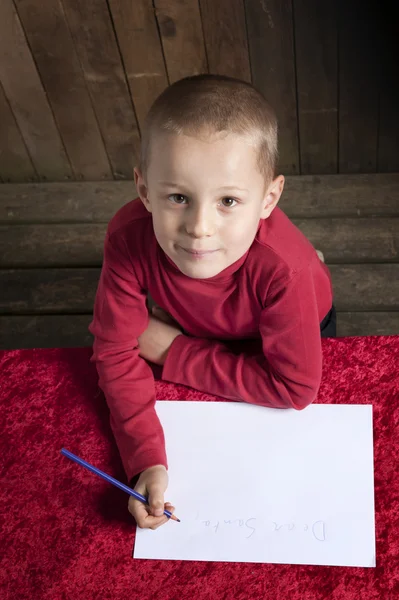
x=210, y=367
x=128, y=385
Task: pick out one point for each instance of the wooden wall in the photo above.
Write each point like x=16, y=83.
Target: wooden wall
x=77, y=77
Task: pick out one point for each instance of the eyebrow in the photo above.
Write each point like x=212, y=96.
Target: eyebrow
x=227, y=187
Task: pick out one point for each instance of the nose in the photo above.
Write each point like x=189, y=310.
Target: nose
x=200, y=222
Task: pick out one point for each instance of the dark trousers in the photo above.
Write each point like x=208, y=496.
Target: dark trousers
x=328, y=326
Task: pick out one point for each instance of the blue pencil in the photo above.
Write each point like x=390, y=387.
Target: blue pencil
x=115, y=482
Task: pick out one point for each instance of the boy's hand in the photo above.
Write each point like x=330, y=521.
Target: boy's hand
x=152, y=484
x=156, y=340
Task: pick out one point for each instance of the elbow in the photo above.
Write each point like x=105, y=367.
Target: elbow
x=303, y=394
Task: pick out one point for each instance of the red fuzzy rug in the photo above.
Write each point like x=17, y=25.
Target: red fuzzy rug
x=66, y=534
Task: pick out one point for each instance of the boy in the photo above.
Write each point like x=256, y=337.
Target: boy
x=223, y=265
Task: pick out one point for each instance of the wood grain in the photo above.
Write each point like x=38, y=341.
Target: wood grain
x=271, y=45
x=63, y=331
x=353, y=240
x=182, y=37
x=140, y=45
x=15, y=162
x=367, y=323
x=66, y=290
x=375, y=195
x=59, y=245
x=25, y=93
x=341, y=240
x=226, y=38
x=53, y=50
x=98, y=52
x=388, y=130
x=317, y=84
x=47, y=291
x=50, y=331
x=358, y=86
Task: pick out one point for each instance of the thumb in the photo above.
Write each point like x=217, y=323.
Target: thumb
x=156, y=501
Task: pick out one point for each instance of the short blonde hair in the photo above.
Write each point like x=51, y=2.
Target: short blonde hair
x=214, y=103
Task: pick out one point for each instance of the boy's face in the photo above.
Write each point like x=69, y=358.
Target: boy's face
x=206, y=196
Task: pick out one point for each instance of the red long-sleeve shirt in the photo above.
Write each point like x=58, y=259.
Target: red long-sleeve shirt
x=276, y=295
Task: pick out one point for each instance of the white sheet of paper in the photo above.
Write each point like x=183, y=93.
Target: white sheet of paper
x=252, y=484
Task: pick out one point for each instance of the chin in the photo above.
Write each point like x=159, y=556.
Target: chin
x=198, y=272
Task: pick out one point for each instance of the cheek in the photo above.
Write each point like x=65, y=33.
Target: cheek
x=241, y=232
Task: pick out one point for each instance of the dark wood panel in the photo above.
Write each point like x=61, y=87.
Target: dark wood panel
x=31, y=291
x=365, y=287
x=182, y=37
x=96, y=45
x=340, y=240
x=140, y=45
x=388, y=131
x=367, y=323
x=28, y=99
x=15, y=162
x=270, y=38
x=304, y=196
x=59, y=245
x=53, y=50
x=353, y=240
x=50, y=331
x=317, y=84
x=341, y=196
x=226, y=38
x=358, y=86
x=46, y=291
x=59, y=202
x=61, y=331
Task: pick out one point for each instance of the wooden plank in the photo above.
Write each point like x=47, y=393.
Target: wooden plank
x=388, y=131
x=353, y=240
x=62, y=331
x=365, y=287
x=52, y=47
x=225, y=37
x=341, y=240
x=44, y=331
x=303, y=197
x=140, y=45
x=58, y=245
x=358, y=87
x=46, y=291
x=374, y=195
x=15, y=162
x=182, y=37
x=367, y=323
x=317, y=84
x=95, y=42
x=28, y=100
x=271, y=45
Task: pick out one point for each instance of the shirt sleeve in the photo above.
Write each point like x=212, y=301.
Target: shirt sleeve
x=120, y=317
x=286, y=374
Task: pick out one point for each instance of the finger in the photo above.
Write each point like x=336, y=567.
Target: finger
x=156, y=500
x=142, y=517
x=169, y=507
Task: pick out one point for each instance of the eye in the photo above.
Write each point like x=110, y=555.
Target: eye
x=229, y=202
x=177, y=198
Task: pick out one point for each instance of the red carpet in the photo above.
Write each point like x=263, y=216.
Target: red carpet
x=66, y=534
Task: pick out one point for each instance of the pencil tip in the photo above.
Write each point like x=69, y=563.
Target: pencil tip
x=178, y=520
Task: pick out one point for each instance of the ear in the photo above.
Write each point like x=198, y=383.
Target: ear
x=142, y=188
x=272, y=196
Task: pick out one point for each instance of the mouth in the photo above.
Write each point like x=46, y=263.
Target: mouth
x=198, y=253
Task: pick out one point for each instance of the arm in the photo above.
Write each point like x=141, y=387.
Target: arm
x=120, y=316
x=288, y=372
